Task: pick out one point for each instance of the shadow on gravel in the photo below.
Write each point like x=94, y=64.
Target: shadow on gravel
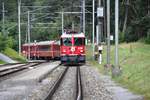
x=73, y=65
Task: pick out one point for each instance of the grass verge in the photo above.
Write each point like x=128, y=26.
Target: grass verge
x=135, y=64
x=14, y=55
x=2, y=62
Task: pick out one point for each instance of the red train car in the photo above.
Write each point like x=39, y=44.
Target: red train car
x=41, y=50
x=72, y=48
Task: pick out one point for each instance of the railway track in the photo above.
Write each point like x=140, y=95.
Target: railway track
x=11, y=70
x=9, y=64
x=79, y=95
x=55, y=86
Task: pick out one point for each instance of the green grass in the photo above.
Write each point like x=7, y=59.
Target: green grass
x=135, y=64
x=2, y=62
x=90, y=58
x=14, y=55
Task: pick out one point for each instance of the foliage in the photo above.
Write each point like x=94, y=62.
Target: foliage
x=13, y=54
x=135, y=68
x=138, y=19
x=147, y=39
x=9, y=42
x=6, y=42
x=2, y=43
x=39, y=32
x=121, y=37
x=2, y=62
x=130, y=35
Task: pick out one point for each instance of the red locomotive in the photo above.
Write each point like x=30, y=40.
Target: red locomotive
x=41, y=50
x=72, y=48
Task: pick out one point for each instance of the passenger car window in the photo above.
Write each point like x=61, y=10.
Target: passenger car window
x=44, y=48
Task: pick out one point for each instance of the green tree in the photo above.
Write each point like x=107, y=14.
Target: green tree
x=2, y=43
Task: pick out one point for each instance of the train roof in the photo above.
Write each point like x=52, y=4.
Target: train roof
x=42, y=43
x=64, y=35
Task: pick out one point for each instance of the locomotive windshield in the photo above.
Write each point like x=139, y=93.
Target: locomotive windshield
x=79, y=41
x=66, y=41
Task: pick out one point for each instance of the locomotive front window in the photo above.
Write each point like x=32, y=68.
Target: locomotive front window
x=79, y=41
x=66, y=41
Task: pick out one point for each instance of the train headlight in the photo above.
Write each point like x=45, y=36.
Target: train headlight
x=81, y=50
x=64, y=51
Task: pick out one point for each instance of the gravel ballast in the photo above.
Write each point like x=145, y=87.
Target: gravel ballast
x=41, y=92
x=93, y=87
x=67, y=89
x=27, y=90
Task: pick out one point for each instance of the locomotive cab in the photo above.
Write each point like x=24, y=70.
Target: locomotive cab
x=73, y=48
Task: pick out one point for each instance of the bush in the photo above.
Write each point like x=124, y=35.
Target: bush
x=9, y=42
x=14, y=55
x=138, y=29
x=121, y=37
x=2, y=43
x=6, y=42
x=130, y=35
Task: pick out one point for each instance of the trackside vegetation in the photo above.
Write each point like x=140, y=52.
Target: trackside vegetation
x=6, y=45
x=14, y=55
x=135, y=65
x=2, y=62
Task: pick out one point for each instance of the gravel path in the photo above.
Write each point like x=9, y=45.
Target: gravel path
x=93, y=87
x=67, y=90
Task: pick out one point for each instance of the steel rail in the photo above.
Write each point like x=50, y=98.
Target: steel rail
x=11, y=68
x=16, y=69
x=2, y=65
x=56, y=84
x=79, y=94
